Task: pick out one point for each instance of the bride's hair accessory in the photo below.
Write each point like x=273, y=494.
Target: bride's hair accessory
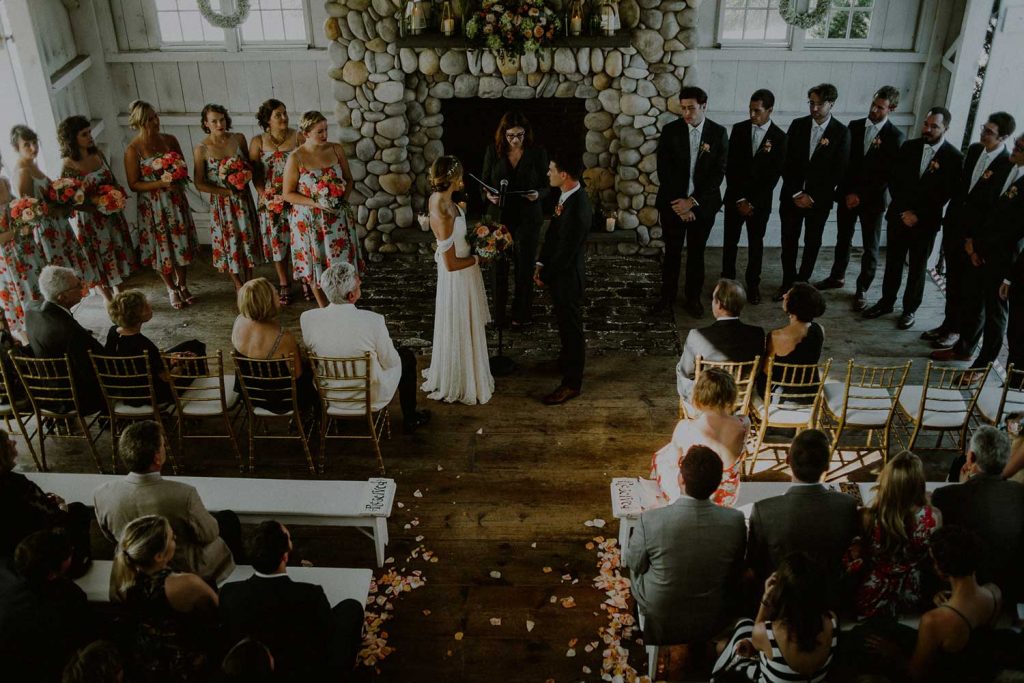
x=443, y=173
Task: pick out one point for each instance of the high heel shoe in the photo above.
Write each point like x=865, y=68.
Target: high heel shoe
x=186, y=295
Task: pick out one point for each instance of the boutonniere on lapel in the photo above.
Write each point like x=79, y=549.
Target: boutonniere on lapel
x=767, y=146
x=704, y=148
x=933, y=167
x=558, y=209
x=986, y=175
x=877, y=142
x=823, y=142
x=1011, y=193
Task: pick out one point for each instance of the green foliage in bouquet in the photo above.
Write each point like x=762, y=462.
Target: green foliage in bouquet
x=511, y=28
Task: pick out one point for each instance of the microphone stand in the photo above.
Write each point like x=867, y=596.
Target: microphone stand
x=501, y=364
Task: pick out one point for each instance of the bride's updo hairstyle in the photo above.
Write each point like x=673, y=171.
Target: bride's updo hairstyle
x=445, y=172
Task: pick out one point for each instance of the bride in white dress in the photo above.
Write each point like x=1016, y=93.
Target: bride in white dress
x=459, y=367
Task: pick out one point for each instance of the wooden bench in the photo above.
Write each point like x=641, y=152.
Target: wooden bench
x=338, y=583
x=365, y=505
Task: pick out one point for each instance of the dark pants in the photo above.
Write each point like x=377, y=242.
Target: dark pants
x=756, y=224
x=76, y=524
x=1015, y=329
x=958, y=267
x=871, y=233
x=567, y=300
x=904, y=242
x=675, y=232
x=346, y=638
x=812, y=222
x=231, y=531
x=408, y=383
x=522, y=260
x=983, y=314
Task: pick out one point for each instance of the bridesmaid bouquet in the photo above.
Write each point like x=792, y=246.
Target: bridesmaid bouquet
x=490, y=241
x=233, y=172
x=25, y=212
x=108, y=199
x=273, y=202
x=169, y=168
x=66, y=192
x=329, y=191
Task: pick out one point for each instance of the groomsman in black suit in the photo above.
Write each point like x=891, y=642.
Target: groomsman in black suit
x=817, y=149
x=757, y=150
x=923, y=180
x=985, y=169
x=561, y=270
x=874, y=143
x=691, y=164
x=1013, y=287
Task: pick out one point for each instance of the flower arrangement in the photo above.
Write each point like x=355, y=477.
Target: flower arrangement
x=767, y=146
x=25, y=212
x=877, y=142
x=66, y=192
x=490, y=241
x=824, y=142
x=933, y=167
x=234, y=173
x=514, y=27
x=169, y=168
x=108, y=199
x=329, y=191
x=272, y=200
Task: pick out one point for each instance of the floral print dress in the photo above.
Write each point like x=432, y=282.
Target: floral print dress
x=21, y=260
x=274, y=226
x=233, y=226
x=57, y=240
x=319, y=238
x=167, y=233
x=105, y=240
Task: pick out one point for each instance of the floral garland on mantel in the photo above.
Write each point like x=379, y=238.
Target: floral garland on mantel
x=225, y=20
x=804, y=19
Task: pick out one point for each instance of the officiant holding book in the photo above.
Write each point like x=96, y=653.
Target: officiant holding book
x=518, y=171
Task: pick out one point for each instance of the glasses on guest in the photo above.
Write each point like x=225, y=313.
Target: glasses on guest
x=515, y=136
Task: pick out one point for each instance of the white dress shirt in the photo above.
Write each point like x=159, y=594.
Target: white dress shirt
x=927, y=154
x=871, y=131
x=817, y=133
x=694, y=133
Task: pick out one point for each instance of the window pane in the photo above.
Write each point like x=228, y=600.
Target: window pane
x=191, y=26
x=273, y=26
x=294, y=25
x=756, y=20
x=773, y=4
x=165, y=5
x=861, y=25
x=776, y=26
x=865, y=3
x=732, y=24
x=837, y=24
x=757, y=3
x=170, y=29
x=252, y=29
x=291, y=4
x=840, y=3
x=735, y=3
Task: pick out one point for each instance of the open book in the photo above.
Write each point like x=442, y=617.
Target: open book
x=494, y=190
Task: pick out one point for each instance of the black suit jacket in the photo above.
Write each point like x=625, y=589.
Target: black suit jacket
x=754, y=176
x=708, y=172
x=1000, y=239
x=291, y=618
x=722, y=340
x=867, y=174
x=994, y=509
x=926, y=195
x=969, y=207
x=563, y=254
x=531, y=173
x=819, y=173
x=52, y=333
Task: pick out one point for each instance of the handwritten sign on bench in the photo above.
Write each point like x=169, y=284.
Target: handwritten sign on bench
x=380, y=494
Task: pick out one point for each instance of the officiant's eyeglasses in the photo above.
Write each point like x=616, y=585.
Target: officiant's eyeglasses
x=515, y=136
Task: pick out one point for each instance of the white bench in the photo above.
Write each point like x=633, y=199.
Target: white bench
x=365, y=505
x=338, y=583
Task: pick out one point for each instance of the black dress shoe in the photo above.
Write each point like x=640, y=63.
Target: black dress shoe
x=780, y=293
x=694, y=308
x=418, y=419
x=560, y=396
x=754, y=296
x=860, y=301
x=830, y=283
x=906, y=321
x=877, y=311
x=934, y=333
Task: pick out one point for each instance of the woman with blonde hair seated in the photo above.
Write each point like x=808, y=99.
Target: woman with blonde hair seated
x=714, y=397
x=173, y=613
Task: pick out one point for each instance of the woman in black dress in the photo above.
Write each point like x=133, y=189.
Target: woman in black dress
x=800, y=341
x=515, y=159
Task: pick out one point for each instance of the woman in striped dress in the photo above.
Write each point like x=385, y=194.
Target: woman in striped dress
x=20, y=263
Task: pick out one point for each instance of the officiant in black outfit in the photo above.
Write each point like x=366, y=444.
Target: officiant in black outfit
x=523, y=168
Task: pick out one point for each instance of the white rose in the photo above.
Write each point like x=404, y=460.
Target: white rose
x=27, y=215
x=158, y=163
x=167, y=178
x=79, y=197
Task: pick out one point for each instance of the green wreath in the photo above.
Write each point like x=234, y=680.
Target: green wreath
x=224, y=20
x=804, y=19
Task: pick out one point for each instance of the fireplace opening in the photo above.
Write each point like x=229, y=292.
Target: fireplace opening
x=469, y=126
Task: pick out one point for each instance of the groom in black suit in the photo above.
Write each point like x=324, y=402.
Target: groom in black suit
x=560, y=269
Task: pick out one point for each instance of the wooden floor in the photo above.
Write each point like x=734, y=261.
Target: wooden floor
x=498, y=493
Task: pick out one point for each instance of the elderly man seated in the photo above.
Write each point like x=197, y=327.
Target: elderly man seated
x=342, y=330
x=53, y=332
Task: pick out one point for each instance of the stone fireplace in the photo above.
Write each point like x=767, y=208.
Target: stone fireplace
x=391, y=91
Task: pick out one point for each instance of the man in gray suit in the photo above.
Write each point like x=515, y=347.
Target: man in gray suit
x=685, y=559
x=202, y=548
x=807, y=518
x=726, y=339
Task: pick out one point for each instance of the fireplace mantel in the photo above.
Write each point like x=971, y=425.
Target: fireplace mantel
x=434, y=40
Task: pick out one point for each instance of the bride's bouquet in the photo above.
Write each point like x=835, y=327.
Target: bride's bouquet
x=490, y=241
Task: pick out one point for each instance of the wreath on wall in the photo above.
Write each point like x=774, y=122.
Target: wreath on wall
x=804, y=19
x=219, y=20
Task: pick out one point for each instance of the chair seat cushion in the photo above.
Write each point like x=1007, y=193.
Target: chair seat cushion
x=263, y=412
x=945, y=408
x=868, y=406
x=992, y=394
x=121, y=408
x=203, y=396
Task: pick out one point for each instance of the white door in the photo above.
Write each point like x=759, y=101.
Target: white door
x=1004, y=77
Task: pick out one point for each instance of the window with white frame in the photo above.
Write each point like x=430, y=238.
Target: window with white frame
x=847, y=20
x=181, y=23
x=752, y=21
x=274, y=22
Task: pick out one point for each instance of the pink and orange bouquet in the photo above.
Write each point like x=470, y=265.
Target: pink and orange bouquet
x=490, y=241
x=169, y=168
x=234, y=173
x=66, y=192
x=272, y=200
x=329, y=191
x=108, y=199
x=25, y=212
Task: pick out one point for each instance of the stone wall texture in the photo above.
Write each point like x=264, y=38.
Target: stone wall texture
x=389, y=110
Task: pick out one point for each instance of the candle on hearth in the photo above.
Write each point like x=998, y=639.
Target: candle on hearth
x=609, y=223
x=447, y=20
x=576, y=26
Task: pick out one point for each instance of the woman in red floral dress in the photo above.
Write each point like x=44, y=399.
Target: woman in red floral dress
x=20, y=264
x=157, y=171
x=222, y=170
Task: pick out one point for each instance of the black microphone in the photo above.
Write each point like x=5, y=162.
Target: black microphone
x=501, y=195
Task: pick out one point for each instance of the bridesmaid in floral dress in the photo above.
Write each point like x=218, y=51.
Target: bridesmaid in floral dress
x=20, y=263
x=105, y=240
x=53, y=232
x=268, y=154
x=234, y=230
x=320, y=236
x=167, y=233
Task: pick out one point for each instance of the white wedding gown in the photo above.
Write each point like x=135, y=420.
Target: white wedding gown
x=459, y=368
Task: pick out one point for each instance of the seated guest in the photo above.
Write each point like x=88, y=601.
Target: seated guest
x=97, y=662
x=249, y=661
x=172, y=612
x=44, y=616
x=890, y=561
x=714, y=395
x=1014, y=470
x=726, y=339
x=24, y=508
x=801, y=340
x=307, y=638
x=685, y=559
x=807, y=518
x=991, y=507
x=341, y=330
x=130, y=310
x=200, y=536
x=53, y=332
x=794, y=634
